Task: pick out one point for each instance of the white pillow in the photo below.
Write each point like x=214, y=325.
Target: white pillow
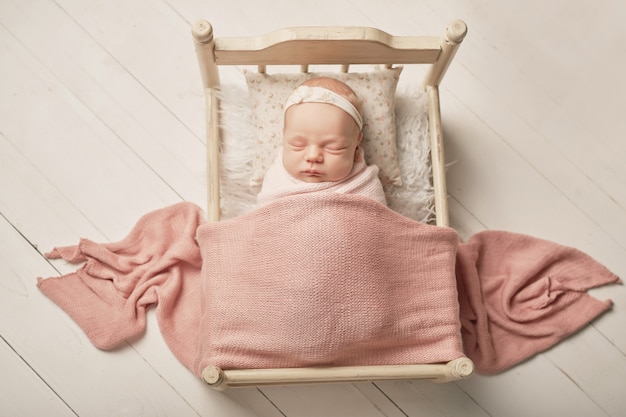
x=376, y=89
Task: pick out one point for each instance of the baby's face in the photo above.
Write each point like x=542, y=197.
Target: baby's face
x=319, y=142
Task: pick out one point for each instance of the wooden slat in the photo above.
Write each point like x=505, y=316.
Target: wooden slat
x=438, y=163
x=221, y=379
x=332, y=45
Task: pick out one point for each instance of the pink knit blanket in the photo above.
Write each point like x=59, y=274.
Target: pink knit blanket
x=327, y=279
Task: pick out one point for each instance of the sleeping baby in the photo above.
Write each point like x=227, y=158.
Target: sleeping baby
x=321, y=148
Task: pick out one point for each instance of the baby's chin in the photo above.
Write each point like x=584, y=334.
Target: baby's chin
x=314, y=179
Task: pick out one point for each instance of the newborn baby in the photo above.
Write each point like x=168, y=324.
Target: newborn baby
x=321, y=148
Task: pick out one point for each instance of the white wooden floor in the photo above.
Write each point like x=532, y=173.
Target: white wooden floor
x=101, y=121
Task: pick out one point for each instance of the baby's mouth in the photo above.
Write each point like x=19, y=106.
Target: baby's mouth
x=312, y=173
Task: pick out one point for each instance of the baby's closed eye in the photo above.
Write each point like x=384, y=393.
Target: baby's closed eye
x=336, y=148
x=296, y=145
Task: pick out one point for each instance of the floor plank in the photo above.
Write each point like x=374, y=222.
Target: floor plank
x=577, y=358
x=123, y=109
x=330, y=400
x=418, y=398
x=533, y=389
x=22, y=392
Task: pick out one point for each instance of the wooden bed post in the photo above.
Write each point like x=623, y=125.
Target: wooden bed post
x=205, y=45
x=450, y=42
x=455, y=33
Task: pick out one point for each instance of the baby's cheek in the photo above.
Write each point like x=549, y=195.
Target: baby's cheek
x=343, y=168
x=288, y=162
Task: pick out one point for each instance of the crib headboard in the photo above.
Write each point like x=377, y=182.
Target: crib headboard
x=343, y=46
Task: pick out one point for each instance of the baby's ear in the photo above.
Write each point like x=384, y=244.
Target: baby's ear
x=358, y=152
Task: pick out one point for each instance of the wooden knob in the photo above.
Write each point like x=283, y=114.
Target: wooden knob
x=213, y=375
x=202, y=31
x=456, y=31
x=463, y=368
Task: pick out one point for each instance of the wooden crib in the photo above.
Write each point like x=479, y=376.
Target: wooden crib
x=342, y=47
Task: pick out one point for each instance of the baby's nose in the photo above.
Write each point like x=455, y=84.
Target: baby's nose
x=314, y=154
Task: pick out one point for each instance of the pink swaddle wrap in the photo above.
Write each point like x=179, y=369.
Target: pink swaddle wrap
x=362, y=180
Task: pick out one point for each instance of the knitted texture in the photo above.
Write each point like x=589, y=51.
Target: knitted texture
x=158, y=263
x=340, y=280
x=521, y=295
x=327, y=279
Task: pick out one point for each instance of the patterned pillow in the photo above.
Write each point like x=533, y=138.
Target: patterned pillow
x=376, y=89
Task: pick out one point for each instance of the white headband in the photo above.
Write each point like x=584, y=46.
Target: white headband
x=306, y=94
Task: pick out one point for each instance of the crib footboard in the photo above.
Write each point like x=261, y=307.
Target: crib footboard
x=220, y=379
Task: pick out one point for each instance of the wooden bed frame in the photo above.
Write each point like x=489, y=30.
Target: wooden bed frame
x=343, y=46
